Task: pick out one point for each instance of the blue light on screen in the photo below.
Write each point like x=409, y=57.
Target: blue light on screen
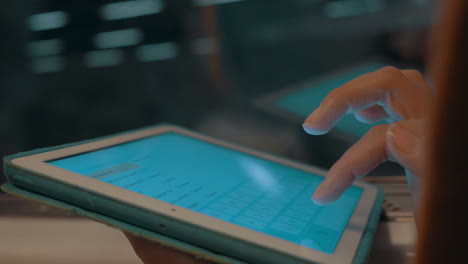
x=304, y=101
x=246, y=190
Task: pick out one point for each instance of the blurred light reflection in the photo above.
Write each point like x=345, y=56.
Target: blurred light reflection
x=349, y=8
x=104, y=58
x=46, y=21
x=156, y=52
x=129, y=9
x=214, y=2
x=260, y=175
x=47, y=64
x=118, y=38
x=44, y=47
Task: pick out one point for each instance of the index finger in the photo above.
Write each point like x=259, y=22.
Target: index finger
x=388, y=87
x=360, y=159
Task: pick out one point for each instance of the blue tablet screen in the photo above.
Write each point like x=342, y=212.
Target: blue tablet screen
x=220, y=182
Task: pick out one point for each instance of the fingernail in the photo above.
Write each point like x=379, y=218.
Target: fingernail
x=401, y=139
x=313, y=131
x=319, y=201
x=311, y=127
x=320, y=195
x=310, y=119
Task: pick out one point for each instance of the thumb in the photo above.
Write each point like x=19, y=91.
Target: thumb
x=405, y=143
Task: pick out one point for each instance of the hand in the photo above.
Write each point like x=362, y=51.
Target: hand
x=153, y=253
x=402, y=97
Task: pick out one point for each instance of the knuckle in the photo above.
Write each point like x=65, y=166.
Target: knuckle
x=390, y=70
x=332, y=97
x=415, y=74
x=390, y=73
x=387, y=76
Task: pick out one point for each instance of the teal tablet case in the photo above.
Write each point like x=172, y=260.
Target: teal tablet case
x=129, y=228
x=14, y=173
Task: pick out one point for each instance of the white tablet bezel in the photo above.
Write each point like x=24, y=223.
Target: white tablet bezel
x=344, y=252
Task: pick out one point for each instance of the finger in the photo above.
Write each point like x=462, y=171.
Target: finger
x=372, y=115
x=416, y=77
x=376, y=113
x=357, y=161
x=405, y=143
x=387, y=87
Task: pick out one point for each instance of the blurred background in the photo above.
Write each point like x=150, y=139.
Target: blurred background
x=74, y=70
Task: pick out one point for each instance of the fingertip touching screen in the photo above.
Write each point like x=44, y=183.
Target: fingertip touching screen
x=220, y=182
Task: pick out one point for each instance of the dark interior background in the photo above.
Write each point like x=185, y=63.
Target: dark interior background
x=62, y=80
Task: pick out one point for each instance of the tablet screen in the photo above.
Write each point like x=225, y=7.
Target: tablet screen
x=234, y=186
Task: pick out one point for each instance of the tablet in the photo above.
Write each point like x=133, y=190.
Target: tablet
x=222, y=197
x=298, y=102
